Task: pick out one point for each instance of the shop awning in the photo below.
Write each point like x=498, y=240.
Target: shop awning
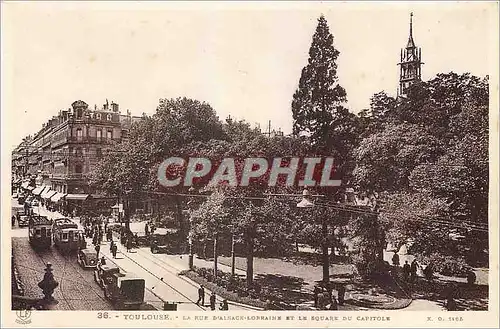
x=38, y=190
x=57, y=197
x=30, y=188
x=45, y=191
x=25, y=185
x=77, y=197
x=49, y=194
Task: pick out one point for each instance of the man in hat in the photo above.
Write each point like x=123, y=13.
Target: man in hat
x=201, y=296
x=114, y=249
x=97, y=249
x=212, y=301
x=48, y=284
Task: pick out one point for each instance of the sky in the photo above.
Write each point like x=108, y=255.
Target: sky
x=244, y=59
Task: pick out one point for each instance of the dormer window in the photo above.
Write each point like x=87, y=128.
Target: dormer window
x=98, y=116
x=108, y=117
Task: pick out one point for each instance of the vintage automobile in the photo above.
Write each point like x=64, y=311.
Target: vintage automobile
x=21, y=198
x=87, y=258
x=163, y=241
x=23, y=220
x=124, y=290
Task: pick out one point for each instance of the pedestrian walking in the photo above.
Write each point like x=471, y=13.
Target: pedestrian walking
x=103, y=260
x=129, y=243
x=334, y=306
x=316, y=292
x=341, y=294
x=201, y=296
x=429, y=272
x=406, y=271
x=212, y=301
x=224, y=306
x=322, y=300
x=451, y=305
x=395, y=259
x=97, y=249
x=413, y=270
x=114, y=249
x=146, y=229
x=111, y=246
x=48, y=284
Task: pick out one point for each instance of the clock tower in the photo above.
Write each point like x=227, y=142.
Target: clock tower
x=410, y=65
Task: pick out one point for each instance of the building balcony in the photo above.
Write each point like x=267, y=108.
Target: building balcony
x=94, y=140
x=65, y=176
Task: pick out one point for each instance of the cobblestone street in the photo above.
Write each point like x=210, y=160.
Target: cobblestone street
x=77, y=289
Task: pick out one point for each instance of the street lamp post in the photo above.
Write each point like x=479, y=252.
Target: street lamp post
x=307, y=203
x=190, y=240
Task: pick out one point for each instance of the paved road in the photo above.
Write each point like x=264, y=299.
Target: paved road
x=160, y=272
x=77, y=289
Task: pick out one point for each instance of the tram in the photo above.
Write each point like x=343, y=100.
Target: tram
x=66, y=235
x=40, y=232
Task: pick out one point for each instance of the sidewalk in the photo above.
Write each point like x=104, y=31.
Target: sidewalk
x=161, y=274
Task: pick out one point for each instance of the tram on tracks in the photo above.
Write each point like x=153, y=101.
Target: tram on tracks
x=40, y=232
x=67, y=235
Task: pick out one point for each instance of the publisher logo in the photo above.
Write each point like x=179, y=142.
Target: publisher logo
x=23, y=316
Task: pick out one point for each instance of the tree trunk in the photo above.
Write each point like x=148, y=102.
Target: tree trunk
x=326, y=260
x=250, y=246
x=215, y=258
x=232, y=257
x=127, y=216
x=296, y=246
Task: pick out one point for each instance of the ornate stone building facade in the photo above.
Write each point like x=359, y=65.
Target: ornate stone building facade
x=66, y=149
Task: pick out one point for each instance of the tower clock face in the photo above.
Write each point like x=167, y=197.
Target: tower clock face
x=410, y=55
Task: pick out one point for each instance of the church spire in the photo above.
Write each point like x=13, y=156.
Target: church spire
x=411, y=43
x=411, y=63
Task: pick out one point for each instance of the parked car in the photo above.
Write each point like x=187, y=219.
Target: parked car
x=21, y=199
x=23, y=220
x=124, y=290
x=87, y=258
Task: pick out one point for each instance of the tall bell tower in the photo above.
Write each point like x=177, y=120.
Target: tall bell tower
x=410, y=65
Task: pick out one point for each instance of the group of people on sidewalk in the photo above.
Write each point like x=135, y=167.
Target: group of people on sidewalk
x=410, y=270
x=410, y=276
x=324, y=298
x=201, y=299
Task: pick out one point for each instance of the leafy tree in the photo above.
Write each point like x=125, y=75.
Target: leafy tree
x=318, y=101
x=385, y=159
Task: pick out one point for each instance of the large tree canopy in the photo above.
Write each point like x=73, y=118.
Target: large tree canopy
x=428, y=153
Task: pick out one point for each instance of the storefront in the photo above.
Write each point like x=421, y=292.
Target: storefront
x=74, y=203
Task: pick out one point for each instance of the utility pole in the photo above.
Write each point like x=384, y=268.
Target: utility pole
x=233, y=258
x=215, y=257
